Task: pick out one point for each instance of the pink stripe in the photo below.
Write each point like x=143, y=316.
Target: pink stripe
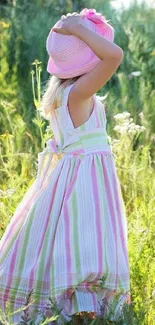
x=78, y=151
x=67, y=223
x=12, y=265
x=112, y=212
x=97, y=117
x=98, y=215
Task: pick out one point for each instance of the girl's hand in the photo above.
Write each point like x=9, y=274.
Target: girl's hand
x=69, y=24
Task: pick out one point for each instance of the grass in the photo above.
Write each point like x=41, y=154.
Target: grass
x=50, y=314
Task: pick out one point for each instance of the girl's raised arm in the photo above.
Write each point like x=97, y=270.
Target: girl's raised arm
x=110, y=54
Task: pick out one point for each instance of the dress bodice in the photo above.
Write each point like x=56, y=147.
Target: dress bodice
x=61, y=122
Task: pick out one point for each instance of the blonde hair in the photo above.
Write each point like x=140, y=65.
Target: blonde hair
x=52, y=96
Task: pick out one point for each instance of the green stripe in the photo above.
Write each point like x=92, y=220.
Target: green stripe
x=52, y=283
x=92, y=135
x=60, y=131
x=83, y=127
x=104, y=204
x=94, y=141
x=75, y=230
x=76, y=242
x=24, y=246
x=61, y=136
x=42, y=259
x=74, y=145
x=10, y=244
x=101, y=116
x=119, y=283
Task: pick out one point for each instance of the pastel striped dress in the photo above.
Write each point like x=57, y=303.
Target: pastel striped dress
x=70, y=229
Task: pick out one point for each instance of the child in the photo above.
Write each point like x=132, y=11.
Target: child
x=70, y=229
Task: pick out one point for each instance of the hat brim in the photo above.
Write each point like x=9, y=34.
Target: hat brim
x=53, y=69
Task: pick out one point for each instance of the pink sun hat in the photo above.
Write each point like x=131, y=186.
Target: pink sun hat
x=68, y=55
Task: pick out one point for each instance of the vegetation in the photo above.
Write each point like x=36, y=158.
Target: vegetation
x=129, y=99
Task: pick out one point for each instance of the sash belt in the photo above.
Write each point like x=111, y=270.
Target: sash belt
x=79, y=144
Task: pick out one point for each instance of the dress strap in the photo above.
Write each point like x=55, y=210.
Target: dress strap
x=104, y=113
x=65, y=94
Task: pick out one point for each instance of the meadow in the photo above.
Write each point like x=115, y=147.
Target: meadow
x=129, y=99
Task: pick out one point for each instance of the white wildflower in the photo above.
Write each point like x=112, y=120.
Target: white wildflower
x=117, y=128
x=134, y=126
x=119, y=116
x=137, y=127
x=10, y=191
x=121, y=129
x=142, y=128
x=126, y=114
x=122, y=116
x=133, y=131
x=125, y=121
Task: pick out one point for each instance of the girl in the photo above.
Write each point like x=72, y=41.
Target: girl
x=69, y=233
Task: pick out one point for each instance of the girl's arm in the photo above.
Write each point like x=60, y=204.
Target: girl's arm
x=103, y=48
x=110, y=54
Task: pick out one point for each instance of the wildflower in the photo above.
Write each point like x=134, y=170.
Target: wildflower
x=122, y=116
x=126, y=125
x=121, y=129
x=142, y=128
